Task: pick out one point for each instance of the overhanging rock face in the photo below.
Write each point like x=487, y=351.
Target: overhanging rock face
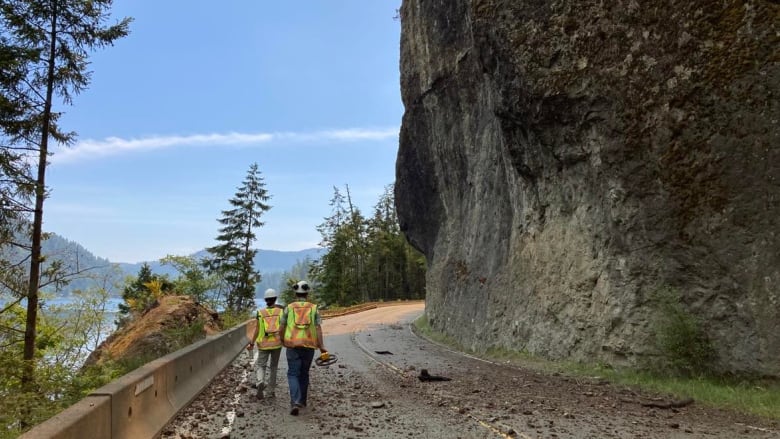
x=561, y=163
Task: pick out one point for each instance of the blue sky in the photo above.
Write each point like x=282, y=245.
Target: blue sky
x=178, y=111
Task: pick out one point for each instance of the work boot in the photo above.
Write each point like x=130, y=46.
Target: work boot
x=295, y=409
x=259, y=393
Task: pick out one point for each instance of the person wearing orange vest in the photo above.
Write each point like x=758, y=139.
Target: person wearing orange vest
x=302, y=336
x=268, y=337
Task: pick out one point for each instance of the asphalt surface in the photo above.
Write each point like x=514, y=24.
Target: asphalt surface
x=374, y=391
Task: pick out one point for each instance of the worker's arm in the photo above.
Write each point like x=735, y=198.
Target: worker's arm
x=320, y=343
x=255, y=333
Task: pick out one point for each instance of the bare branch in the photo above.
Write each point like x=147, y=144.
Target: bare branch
x=10, y=305
x=8, y=328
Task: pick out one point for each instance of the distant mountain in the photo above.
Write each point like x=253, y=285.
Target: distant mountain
x=85, y=270
x=270, y=263
x=266, y=261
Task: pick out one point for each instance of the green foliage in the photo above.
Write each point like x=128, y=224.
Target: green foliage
x=142, y=292
x=366, y=259
x=180, y=337
x=193, y=279
x=232, y=261
x=288, y=294
x=17, y=188
x=66, y=334
x=680, y=338
x=299, y=271
x=232, y=318
x=44, y=48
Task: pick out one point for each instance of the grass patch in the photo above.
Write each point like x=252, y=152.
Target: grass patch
x=230, y=319
x=183, y=336
x=424, y=328
x=750, y=396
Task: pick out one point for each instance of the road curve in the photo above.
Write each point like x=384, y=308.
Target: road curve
x=374, y=391
x=362, y=395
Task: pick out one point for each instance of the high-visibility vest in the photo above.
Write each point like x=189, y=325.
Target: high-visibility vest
x=301, y=329
x=269, y=334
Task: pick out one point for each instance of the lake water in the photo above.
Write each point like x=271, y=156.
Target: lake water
x=112, y=303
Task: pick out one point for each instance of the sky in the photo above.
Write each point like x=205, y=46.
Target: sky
x=177, y=112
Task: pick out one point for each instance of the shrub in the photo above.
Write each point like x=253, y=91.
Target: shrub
x=680, y=338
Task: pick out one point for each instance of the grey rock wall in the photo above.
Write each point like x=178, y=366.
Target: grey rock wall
x=560, y=162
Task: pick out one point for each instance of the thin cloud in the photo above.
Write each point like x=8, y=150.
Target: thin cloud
x=111, y=146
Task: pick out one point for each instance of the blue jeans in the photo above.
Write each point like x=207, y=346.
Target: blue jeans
x=298, y=364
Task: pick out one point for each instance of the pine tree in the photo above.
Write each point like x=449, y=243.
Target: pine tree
x=331, y=271
x=17, y=184
x=386, y=250
x=232, y=261
x=139, y=294
x=366, y=259
x=51, y=40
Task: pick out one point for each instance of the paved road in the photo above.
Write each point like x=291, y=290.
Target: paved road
x=374, y=392
x=363, y=395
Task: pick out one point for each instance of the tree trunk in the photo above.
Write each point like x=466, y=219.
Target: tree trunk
x=28, y=374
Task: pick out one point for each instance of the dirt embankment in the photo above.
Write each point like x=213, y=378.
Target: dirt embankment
x=158, y=331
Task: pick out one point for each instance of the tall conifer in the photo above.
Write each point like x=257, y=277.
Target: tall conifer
x=232, y=260
x=50, y=41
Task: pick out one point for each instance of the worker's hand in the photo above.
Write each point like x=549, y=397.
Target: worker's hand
x=324, y=355
x=250, y=346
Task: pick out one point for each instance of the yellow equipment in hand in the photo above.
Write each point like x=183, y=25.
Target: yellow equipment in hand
x=325, y=359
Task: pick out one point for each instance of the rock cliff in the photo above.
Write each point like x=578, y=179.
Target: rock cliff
x=561, y=162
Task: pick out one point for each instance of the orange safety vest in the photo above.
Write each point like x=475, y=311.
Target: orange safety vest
x=301, y=330
x=269, y=334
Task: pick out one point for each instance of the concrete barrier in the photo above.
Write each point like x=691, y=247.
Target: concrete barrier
x=138, y=405
x=196, y=365
x=92, y=414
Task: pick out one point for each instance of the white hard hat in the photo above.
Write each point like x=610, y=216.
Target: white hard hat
x=301, y=287
x=270, y=294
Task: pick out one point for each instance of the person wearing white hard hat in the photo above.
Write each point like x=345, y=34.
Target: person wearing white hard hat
x=302, y=335
x=268, y=337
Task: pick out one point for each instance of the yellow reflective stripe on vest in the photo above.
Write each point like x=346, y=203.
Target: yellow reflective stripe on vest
x=269, y=335
x=301, y=330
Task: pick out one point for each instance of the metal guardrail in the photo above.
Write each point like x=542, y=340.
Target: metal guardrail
x=141, y=403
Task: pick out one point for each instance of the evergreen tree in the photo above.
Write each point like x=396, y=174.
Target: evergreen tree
x=232, y=261
x=300, y=271
x=141, y=292
x=51, y=40
x=386, y=250
x=366, y=259
x=397, y=269
x=332, y=270
x=16, y=182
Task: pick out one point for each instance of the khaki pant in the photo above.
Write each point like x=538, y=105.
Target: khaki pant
x=266, y=374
